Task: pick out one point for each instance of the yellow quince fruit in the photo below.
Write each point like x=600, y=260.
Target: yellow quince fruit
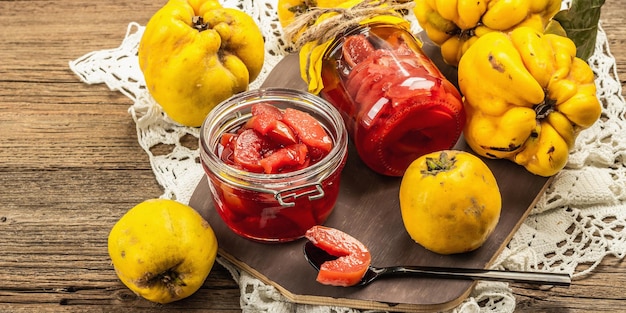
x=450, y=201
x=162, y=250
x=196, y=54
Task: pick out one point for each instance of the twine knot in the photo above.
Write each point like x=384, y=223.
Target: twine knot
x=304, y=28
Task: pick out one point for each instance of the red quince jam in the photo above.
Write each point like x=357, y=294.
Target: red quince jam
x=395, y=102
x=273, y=141
x=353, y=257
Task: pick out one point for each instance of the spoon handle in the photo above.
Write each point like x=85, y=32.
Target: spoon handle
x=557, y=279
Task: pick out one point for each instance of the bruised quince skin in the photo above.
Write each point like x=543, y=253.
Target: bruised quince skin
x=195, y=54
x=162, y=250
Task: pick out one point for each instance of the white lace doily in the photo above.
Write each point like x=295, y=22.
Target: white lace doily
x=579, y=220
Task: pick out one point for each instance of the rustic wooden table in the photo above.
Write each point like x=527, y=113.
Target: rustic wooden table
x=70, y=166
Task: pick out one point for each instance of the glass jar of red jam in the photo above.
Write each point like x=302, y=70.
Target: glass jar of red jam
x=396, y=103
x=274, y=206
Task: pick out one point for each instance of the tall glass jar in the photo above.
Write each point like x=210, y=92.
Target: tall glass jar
x=272, y=207
x=395, y=102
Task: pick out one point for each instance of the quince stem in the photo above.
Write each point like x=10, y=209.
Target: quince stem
x=543, y=109
x=171, y=277
x=442, y=164
x=199, y=24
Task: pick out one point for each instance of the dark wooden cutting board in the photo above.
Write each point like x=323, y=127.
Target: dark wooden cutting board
x=368, y=209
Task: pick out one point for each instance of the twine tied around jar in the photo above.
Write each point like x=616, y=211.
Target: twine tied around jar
x=304, y=28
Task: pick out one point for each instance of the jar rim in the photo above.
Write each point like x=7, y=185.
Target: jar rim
x=212, y=128
x=362, y=29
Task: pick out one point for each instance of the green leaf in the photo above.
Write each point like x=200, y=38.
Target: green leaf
x=580, y=22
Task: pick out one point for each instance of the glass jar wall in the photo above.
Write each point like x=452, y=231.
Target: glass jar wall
x=272, y=207
x=395, y=102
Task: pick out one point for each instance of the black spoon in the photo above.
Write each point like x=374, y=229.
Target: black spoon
x=317, y=256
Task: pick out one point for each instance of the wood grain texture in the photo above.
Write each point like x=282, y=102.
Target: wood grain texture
x=70, y=166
